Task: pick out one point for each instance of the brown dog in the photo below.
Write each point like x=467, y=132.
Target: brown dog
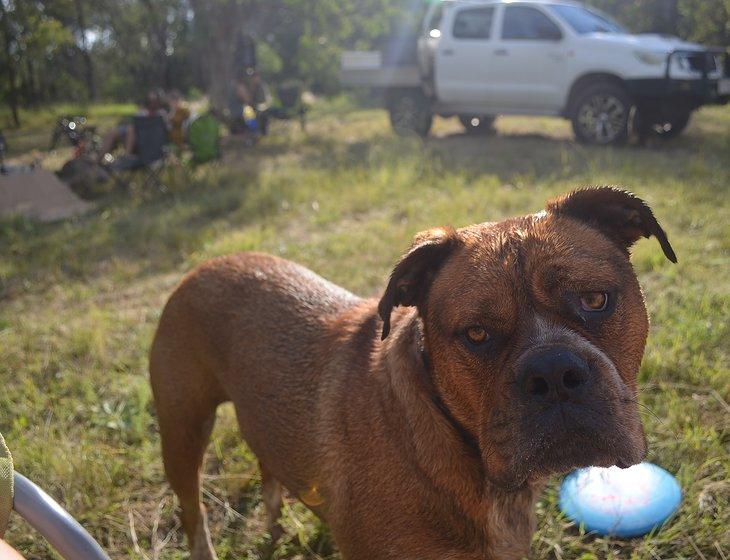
x=427, y=432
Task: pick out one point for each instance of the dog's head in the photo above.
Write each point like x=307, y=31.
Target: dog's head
x=534, y=329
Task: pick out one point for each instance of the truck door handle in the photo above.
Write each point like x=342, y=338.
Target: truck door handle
x=447, y=52
x=501, y=52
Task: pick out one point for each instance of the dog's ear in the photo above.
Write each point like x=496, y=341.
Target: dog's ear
x=618, y=214
x=413, y=274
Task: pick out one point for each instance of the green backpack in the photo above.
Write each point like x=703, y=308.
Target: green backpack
x=204, y=138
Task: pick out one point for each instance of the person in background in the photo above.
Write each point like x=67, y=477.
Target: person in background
x=249, y=103
x=178, y=117
x=123, y=133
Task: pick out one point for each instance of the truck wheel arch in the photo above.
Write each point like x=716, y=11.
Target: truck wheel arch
x=587, y=80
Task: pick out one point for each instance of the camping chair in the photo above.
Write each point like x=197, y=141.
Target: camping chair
x=150, y=135
x=43, y=513
x=290, y=105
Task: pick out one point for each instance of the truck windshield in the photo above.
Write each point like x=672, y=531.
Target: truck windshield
x=586, y=21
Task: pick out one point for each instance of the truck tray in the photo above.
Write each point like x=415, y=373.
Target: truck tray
x=366, y=69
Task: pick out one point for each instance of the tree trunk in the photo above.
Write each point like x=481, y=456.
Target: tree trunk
x=85, y=55
x=159, y=30
x=218, y=21
x=11, y=71
x=32, y=94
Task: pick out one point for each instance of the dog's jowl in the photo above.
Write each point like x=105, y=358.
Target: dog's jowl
x=423, y=425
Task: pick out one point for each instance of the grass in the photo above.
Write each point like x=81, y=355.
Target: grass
x=79, y=301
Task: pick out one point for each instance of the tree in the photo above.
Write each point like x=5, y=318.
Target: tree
x=707, y=21
x=58, y=50
x=9, y=62
x=217, y=23
x=84, y=48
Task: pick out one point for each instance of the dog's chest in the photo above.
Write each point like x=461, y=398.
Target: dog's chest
x=497, y=528
x=510, y=523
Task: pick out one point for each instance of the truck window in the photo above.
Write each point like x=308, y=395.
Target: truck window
x=473, y=23
x=528, y=24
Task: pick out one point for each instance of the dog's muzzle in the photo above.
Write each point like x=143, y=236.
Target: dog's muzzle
x=554, y=375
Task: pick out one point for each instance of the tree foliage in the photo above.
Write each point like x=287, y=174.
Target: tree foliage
x=706, y=21
x=60, y=50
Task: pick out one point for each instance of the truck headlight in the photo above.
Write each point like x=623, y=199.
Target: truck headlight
x=682, y=68
x=653, y=58
x=683, y=63
x=719, y=66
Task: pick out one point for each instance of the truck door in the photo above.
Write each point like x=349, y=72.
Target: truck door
x=527, y=61
x=461, y=67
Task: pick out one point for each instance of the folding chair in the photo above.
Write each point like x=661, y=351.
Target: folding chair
x=150, y=135
x=290, y=104
x=43, y=513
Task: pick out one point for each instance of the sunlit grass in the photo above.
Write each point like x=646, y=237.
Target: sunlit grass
x=79, y=301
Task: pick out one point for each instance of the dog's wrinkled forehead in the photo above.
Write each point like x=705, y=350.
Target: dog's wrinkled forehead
x=525, y=261
x=580, y=237
x=519, y=245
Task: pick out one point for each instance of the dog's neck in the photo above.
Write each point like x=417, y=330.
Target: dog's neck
x=426, y=378
x=448, y=454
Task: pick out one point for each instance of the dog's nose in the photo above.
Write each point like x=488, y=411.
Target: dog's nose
x=554, y=375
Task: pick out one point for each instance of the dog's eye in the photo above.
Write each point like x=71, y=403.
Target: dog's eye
x=594, y=301
x=477, y=335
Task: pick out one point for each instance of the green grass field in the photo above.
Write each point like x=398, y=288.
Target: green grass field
x=79, y=301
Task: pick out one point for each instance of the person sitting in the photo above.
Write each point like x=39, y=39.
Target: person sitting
x=123, y=133
x=249, y=103
x=178, y=117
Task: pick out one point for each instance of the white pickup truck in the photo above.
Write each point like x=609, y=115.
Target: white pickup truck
x=476, y=59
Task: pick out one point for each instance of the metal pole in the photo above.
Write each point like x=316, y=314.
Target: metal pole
x=62, y=531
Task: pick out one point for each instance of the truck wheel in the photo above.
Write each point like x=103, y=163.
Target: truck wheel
x=601, y=115
x=477, y=124
x=410, y=112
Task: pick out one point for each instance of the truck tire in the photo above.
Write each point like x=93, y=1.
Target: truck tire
x=478, y=124
x=410, y=112
x=600, y=114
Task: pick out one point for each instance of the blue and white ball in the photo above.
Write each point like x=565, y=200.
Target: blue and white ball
x=620, y=502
